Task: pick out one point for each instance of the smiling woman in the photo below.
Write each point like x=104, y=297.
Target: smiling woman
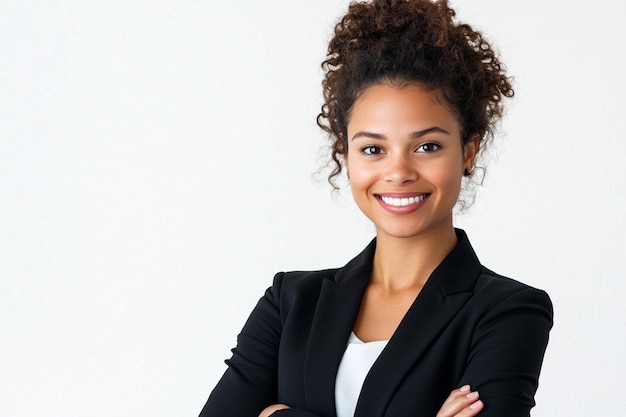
x=414, y=325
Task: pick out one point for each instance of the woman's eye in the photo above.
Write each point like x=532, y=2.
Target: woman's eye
x=428, y=147
x=372, y=150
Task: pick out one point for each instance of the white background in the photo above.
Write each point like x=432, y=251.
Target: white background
x=155, y=172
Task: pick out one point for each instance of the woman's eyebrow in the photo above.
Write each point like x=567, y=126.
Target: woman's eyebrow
x=414, y=135
x=434, y=129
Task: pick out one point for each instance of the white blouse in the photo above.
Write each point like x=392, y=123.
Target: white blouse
x=355, y=364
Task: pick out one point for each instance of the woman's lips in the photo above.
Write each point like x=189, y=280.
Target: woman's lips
x=401, y=203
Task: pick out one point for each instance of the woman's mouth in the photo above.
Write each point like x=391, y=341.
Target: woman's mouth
x=402, y=201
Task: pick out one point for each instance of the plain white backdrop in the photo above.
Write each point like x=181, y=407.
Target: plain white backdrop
x=156, y=162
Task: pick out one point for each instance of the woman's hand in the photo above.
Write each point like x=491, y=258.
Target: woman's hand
x=461, y=402
x=275, y=407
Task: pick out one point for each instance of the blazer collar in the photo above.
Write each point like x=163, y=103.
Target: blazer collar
x=461, y=260
x=445, y=292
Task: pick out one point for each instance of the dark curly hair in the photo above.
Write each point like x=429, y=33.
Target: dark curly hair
x=410, y=41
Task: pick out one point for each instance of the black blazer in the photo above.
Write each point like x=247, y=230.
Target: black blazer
x=468, y=325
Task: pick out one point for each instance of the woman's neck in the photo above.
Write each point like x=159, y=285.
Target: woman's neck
x=406, y=263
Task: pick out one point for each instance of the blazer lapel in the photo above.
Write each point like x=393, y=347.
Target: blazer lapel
x=446, y=291
x=333, y=321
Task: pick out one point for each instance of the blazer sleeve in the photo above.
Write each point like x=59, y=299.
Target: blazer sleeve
x=250, y=381
x=508, y=346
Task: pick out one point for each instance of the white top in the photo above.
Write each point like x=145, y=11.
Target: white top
x=355, y=364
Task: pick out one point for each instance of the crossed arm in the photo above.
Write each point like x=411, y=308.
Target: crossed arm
x=462, y=402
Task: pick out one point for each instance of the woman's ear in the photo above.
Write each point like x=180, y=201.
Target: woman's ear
x=470, y=150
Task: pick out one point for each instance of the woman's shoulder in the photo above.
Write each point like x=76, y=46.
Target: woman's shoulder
x=301, y=288
x=291, y=282
x=493, y=289
x=356, y=270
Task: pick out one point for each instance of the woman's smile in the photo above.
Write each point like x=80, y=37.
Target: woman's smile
x=401, y=202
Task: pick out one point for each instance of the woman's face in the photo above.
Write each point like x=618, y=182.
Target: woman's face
x=405, y=159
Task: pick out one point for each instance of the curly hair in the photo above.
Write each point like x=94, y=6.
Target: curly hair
x=410, y=41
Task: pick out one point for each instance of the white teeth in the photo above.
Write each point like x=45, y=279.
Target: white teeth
x=401, y=202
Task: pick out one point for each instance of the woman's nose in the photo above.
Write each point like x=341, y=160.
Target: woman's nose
x=400, y=170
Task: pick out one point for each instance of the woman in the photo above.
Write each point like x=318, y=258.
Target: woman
x=414, y=325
